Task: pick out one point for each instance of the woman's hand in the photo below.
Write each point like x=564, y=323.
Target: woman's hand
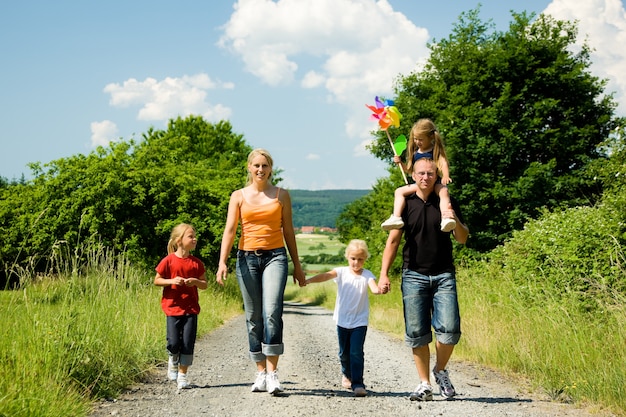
x=222, y=272
x=298, y=275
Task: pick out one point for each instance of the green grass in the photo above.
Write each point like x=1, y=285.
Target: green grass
x=569, y=344
x=571, y=354
x=69, y=340
x=564, y=352
x=87, y=336
x=315, y=244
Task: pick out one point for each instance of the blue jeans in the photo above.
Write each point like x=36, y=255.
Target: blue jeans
x=262, y=278
x=351, y=354
x=430, y=301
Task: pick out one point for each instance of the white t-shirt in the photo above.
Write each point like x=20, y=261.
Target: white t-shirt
x=352, y=305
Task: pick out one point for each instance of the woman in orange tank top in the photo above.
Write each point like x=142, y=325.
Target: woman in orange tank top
x=264, y=211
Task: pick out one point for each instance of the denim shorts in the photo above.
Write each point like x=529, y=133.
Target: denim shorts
x=430, y=301
x=262, y=277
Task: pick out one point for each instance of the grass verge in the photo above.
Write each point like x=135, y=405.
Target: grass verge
x=79, y=338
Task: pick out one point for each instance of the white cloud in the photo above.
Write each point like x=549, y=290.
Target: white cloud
x=602, y=23
x=312, y=157
x=102, y=133
x=312, y=79
x=359, y=45
x=356, y=48
x=170, y=97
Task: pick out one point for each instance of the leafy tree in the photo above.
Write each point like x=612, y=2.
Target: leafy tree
x=521, y=117
x=125, y=197
x=188, y=173
x=612, y=174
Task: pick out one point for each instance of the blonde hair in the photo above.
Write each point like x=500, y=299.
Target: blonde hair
x=177, y=233
x=425, y=128
x=254, y=154
x=357, y=245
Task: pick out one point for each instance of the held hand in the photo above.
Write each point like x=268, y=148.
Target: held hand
x=396, y=159
x=298, y=275
x=384, y=285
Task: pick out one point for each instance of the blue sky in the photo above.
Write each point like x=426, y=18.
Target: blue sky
x=292, y=76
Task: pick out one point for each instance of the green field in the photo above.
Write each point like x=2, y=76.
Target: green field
x=315, y=244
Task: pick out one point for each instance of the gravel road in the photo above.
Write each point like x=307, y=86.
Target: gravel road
x=309, y=372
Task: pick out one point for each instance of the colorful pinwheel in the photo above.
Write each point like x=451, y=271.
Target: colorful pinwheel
x=388, y=115
x=385, y=113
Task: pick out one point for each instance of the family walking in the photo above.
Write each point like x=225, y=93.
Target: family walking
x=264, y=213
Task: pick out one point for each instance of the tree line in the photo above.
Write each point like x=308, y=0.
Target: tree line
x=320, y=208
x=125, y=197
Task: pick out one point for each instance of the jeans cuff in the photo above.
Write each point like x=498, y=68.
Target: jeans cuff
x=273, y=350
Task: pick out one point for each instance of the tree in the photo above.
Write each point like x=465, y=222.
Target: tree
x=125, y=198
x=521, y=118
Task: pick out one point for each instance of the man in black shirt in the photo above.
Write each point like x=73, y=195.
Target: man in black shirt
x=428, y=279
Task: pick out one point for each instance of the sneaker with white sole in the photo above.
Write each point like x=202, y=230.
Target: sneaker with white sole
x=182, y=381
x=273, y=385
x=448, y=225
x=443, y=380
x=260, y=382
x=423, y=392
x=172, y=369
x=393, y=222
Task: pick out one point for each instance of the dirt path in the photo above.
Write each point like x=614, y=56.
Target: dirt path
x=309, y=371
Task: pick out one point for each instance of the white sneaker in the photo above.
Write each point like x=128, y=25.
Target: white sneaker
x=259, y=383
x=273, y=385
x=423, y=392
x=182, y=381
x=443, y=380
x=172, y=369
x=447, y=225
x=393, y=222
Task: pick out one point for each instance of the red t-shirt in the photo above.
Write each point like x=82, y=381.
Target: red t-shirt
x=179, y=300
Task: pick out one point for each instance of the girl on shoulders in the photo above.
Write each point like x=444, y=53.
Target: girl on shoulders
x=424, y=142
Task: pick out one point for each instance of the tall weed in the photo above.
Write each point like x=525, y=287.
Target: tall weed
x=550, y=304
x=87, y=335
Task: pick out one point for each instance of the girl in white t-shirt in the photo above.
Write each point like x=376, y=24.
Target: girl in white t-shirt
x=352, y=312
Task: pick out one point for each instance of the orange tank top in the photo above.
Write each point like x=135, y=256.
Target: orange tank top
x=261, y=225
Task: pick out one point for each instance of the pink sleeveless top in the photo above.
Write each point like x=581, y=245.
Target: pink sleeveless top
x=261, y=225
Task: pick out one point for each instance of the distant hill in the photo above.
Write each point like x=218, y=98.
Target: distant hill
x=320, y=208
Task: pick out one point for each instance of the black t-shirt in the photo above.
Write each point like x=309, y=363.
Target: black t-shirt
x=427, y=250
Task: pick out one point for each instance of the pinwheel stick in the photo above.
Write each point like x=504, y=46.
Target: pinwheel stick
x=394, y=152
